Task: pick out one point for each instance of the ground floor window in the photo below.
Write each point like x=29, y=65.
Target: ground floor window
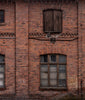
x=2, y=65
x=53, y=70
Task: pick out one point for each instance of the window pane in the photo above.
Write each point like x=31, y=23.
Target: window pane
x=44, y=75
x=2, y=68
x=62, y=76
x=1, y=83
x=2, y=75
x=52, y=58
x=62, y=59
x=44, y=58
x=53, y=75
x=44, y=68
x=62, y=68
x=53, y=82
x=1, y=58
x=44, y=83
x=53, y=68
x=62, y=83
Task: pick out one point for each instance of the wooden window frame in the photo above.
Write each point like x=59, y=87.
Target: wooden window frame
x=53, y=20
x=57, y=64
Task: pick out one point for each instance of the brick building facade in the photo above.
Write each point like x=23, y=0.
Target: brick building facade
x=36, y=62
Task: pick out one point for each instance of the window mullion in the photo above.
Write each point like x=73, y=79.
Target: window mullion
x=48, y=73
x=57, y=69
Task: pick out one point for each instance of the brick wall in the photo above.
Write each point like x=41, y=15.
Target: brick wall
x=37, y=48
x=23, y=54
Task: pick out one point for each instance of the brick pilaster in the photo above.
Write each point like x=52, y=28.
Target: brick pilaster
x=21, y=48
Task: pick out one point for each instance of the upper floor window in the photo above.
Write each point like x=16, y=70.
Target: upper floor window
x=53, y=71
x=2, y=65
x=1, y=16
x=52, y=21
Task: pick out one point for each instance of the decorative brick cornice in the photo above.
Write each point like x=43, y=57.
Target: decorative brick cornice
x=7, y=35
x=61, y=36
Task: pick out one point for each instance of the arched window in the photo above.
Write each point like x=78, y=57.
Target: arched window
x=2, y=65
x=52, y=19
x=53, y=70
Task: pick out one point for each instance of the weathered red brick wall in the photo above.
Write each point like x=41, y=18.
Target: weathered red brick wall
x=81, y=10
x=69, y=19
x=29, y=19
x=22, y=48
x=9, y=24
x=7, y=47
x=37, y=48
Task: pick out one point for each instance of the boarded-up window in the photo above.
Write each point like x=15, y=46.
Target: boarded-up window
x=2, y=65
x=52, y=21
x=53, y=70
x=1, y=16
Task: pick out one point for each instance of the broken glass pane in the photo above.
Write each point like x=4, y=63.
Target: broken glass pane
x=62, y=83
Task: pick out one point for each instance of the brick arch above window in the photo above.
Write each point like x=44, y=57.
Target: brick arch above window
x=56, y=52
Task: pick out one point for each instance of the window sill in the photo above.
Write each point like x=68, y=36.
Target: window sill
x=54, y=88
x=2, y=24
x=1, y=89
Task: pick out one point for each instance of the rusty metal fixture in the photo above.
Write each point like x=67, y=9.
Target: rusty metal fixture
x=52, y=40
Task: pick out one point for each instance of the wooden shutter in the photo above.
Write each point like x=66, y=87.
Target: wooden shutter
x=48, y=21
x=57, y=21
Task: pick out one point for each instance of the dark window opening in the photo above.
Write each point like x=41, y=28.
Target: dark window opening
x=1, y=16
